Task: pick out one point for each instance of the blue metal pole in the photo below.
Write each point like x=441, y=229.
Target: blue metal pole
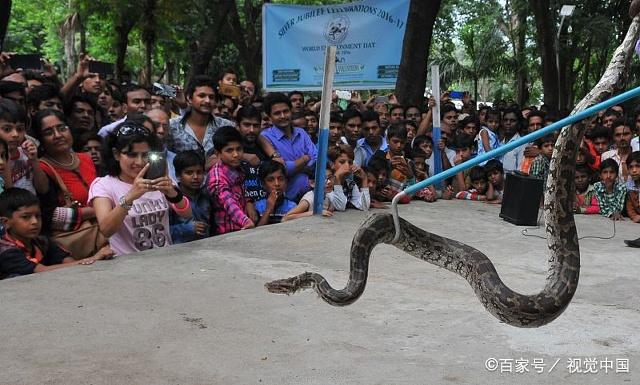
x=321, y=165
x=524, y=140
x=436, y=135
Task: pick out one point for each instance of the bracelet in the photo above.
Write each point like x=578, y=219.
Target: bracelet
x=187, y=206
x=177, y=198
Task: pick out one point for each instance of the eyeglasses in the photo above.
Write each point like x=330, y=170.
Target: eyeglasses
x=130, y=129
x=50, y=131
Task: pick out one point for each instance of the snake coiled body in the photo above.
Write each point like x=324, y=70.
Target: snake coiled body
x=471, y=264
x=508, y=306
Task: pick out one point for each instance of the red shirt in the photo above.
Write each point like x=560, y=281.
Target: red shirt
x=77, y=181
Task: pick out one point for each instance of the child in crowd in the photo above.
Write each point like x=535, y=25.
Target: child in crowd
x=305, y=206
x=22, y=250
x=351, y=186
x=335, y=129
x=609, y=191
x=586, y=201
x=633, y=186
x=540, y=166
x=495, y=176
x=424, y=144
x=463, y=145
x=23, y=167
x=412, y=129
x=480, y=186
x=312, y=125
x=4, y=154
x=230, y=210
x=274, y=181
x=189, y=166
x=298, y=120
x=401, y=170
x=91, y=143
x=487, y=138
x=377, y=173
x=427, y=194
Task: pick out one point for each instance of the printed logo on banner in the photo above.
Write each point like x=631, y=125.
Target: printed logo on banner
x=337, y=29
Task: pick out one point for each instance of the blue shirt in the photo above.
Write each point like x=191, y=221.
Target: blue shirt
x=291, y=149
x=183, y=229
x=363, y=151
x=280, y=211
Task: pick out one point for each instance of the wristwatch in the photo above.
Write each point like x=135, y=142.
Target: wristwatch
x=275, y=155
x=123, y=203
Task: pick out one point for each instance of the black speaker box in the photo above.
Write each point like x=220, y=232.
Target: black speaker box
x=521, y=199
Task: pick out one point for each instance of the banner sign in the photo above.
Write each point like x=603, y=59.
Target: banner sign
x=368, y=36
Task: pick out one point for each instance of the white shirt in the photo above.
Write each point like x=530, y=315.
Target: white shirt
x=108, y=129
x=512, y=160
x=451, y=155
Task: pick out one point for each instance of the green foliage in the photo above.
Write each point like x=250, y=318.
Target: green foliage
x=473, y=40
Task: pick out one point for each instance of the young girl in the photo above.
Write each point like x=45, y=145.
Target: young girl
x=586, y=201
x=351, y=179
x=132, y=210
x=487, y=138
x=609, y=191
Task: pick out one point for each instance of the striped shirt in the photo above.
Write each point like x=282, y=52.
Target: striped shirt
x=228, y=202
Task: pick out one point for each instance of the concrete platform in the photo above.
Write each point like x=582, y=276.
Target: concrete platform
x=198, y=313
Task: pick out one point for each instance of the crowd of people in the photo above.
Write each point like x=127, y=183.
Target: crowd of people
x=150, y=167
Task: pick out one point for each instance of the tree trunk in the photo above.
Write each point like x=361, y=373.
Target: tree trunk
x=246, y=39
x=122, y=41
x=522, y=92
x=83, y=35
x=545, y=39
x=149, y=38
x=204, y=49
x=587, y=67
x=127, y=17
x=412, y=74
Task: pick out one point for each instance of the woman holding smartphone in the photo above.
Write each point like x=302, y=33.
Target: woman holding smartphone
x=132, y=207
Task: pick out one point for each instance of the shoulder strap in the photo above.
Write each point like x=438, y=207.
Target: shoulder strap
x=65, y=192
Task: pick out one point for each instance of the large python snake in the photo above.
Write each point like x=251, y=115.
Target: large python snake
x=508, y=306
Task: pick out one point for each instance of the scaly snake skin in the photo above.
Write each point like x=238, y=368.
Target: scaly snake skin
x=564, y=256
x=505, y=304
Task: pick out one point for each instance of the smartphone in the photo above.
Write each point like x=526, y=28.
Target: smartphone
x=102, y=68
x=30, y=61
x=381, y=99
x=229, y=90
x=456, y=94
x=157, y=166
x=345, y=95
x=164, y=90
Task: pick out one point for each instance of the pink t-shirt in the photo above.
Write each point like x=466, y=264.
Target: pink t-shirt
x=147, y=224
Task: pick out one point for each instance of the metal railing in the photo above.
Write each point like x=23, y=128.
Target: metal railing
x=504, y=149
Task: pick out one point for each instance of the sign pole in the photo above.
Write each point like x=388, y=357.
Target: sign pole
x=323, y=135
x=435, y=115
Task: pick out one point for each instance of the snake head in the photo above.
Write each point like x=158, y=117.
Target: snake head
x=288, y=285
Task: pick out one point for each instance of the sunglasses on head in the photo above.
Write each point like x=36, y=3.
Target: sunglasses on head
x=132, y=129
